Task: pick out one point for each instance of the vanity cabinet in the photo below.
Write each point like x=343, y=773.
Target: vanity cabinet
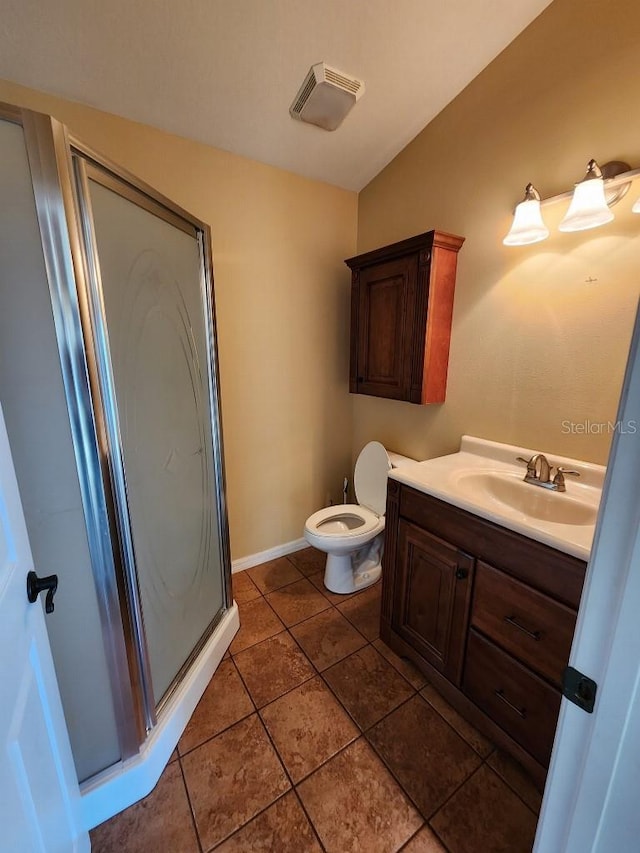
x=487, y=614
x=401, y=310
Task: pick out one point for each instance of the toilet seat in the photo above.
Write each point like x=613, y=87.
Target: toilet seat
x=370, y=524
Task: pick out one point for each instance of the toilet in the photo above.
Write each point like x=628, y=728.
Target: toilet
x=352, y=535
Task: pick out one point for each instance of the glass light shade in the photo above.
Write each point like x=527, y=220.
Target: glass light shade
x=528, y=226
x=636, y=207
x=588, y=207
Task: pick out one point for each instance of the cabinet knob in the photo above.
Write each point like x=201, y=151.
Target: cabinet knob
x=461, y=573
x=360, y=379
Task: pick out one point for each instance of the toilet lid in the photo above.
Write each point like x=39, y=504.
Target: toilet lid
x=370, y=477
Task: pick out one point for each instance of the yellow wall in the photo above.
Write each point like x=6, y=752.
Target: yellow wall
x=534, y=344
x=282, y=297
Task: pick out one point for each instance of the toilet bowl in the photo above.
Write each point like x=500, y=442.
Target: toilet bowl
x=352, y=535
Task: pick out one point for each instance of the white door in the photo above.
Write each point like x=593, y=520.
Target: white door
x=591, y=802
x=39, y=794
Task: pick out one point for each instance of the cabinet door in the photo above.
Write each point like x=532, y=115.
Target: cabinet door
x=386, y=305
x=432, y=598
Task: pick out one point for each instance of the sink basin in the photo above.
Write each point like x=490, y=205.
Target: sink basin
x=533, y=501
x=484, y=478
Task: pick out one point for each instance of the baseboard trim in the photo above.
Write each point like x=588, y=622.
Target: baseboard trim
x=270, y=554
x=125, y=783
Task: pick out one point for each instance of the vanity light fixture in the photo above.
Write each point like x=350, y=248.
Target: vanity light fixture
x=528, y=226
x=591, y=200
x=588, y=207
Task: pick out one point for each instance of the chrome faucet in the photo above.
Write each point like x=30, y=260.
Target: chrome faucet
x=545, y=469
x=539, y=473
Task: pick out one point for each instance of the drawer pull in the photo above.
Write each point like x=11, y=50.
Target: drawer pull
x=521, y=712
x=511, y=620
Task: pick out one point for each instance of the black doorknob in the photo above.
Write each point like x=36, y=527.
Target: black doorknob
x=36, y=585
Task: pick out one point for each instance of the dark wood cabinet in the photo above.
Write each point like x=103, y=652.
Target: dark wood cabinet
x=533, y=627
x=431, y=599
x=401, y=310
x=523, y=705
x=487, y=614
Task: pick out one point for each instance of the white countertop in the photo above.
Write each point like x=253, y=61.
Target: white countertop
x=460, y=479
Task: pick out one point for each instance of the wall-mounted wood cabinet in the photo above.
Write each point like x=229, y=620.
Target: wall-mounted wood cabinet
x=401, y=310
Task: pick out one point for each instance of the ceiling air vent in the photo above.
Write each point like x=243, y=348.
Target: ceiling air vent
x=325, y=97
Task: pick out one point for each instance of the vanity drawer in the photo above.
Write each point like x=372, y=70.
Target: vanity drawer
x=515, y=698
x=531, y=626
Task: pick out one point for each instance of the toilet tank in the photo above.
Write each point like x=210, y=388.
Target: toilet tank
x=397, y=460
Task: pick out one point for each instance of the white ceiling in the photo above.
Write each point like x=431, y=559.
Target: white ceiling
x=224, y=72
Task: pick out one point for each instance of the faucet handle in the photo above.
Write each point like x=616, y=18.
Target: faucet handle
x=558, y=480
x=531, y=466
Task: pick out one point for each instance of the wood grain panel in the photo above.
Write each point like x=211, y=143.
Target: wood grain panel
x=432, y=598
x=544, y=568
x=528, y=624
x=523, y=704
x=401, y=309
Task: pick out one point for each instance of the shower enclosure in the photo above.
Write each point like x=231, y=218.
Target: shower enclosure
x=109, y=382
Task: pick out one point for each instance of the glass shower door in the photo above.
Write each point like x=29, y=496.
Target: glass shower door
x=154, y=336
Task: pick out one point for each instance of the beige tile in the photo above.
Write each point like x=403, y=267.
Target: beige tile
x=426, y=841
x=161, y=821
x=367, y=686
x=232, y=778
x=273, y=667
x=297, y=602
x=485, y=814
x=355, y=804
x=282, y=828
x=274, y=574
x=424, y=753
x=413, y=675
x=363, y=611
x=223, y=703
x=473, y=737
x=327, y=638
x=257, y=622
x=517, y=778
x=243, y=587
x=308, y=726
x=309, y=560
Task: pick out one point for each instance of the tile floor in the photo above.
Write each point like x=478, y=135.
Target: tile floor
x=313, y=736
